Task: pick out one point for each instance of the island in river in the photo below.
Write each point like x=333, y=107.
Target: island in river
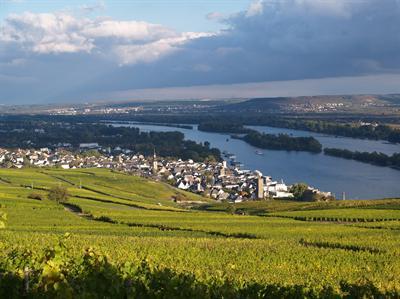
x=358, y=180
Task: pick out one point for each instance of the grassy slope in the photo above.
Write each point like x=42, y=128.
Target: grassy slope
x=285, y=250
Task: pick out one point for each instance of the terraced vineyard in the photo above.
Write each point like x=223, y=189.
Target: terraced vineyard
x=129, y=238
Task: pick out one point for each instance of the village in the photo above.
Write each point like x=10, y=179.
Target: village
x=217, y=180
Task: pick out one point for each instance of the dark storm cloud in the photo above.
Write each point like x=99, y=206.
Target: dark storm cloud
x=295, y=39
x=271, y=41
x=282, y=40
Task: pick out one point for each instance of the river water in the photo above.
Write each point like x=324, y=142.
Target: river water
x=358, y=180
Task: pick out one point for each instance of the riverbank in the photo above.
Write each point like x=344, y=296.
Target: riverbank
x=358, y=180
x=374, y=158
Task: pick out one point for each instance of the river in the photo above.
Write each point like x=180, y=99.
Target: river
x=358, y=180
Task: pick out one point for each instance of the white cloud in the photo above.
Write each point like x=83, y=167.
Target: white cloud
x=128, y=30
x=215, y=16
x=255, y=8
x=56, y=33
x=46, y=33
x=131, y=54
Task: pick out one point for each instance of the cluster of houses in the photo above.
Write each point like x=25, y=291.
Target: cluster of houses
x=214, y=179
x=221, y=182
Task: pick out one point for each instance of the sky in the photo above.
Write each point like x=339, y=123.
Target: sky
x=81, y=51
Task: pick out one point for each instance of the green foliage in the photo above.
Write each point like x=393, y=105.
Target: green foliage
x=35, y=195
x=123, y=244
x=343, y=215
x=91, y=153
x=374, y=158
x=56, y=274
x=283, y=142
x=168, y=144
x=221, y=126
x=382, y=132
x=58, y=194
x=268, y=141
x=310, y=195
x=298, y=190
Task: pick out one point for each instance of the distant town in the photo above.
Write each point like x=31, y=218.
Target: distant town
x=324, y=105
x=217, y=180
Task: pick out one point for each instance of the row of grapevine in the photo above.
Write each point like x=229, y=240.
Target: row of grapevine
x=56, y=274
x=159, y=253
x=334, y=219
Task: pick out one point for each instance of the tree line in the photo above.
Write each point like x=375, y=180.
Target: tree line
x=379, y=132
x=374, y=158
x=282, y=142
x=262, y=140
x=214, y=121
x=223, y=127
x=53, y=134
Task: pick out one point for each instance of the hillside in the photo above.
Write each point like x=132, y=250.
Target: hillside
x=127, y=236
x=321, y=103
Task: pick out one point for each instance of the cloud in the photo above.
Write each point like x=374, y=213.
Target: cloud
x=86, y=8
x=283, y=40
x=299, y=39
x=13, y=62
x=374, y=84
x=276, y=40
x=148, y=52
x=202, y=67
x=255, y=8
x=60, y=33
x=126, y=30
x=15, y=79
x=46, y=33
x=215, y=16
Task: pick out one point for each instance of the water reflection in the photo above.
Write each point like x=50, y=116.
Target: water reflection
x=358, y=180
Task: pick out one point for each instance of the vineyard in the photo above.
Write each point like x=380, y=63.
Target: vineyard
x=121, y=236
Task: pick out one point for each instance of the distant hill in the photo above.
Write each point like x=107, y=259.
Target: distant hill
x=327, y=102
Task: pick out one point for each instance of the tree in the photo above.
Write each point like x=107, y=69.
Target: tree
x=36, y=196
x=91, y=153
x=59, y=194
x=26, y=162
x=298, y=190
x=309, y=195
x=231, y=209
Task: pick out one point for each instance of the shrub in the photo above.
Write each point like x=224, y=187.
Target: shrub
x=298, y=190
x=59, y=194
x=36, y=196
x=179, y=197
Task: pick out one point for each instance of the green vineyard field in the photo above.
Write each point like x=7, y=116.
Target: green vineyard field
x=128, y=238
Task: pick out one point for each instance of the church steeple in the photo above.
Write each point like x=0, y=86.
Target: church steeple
x=155, y=163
